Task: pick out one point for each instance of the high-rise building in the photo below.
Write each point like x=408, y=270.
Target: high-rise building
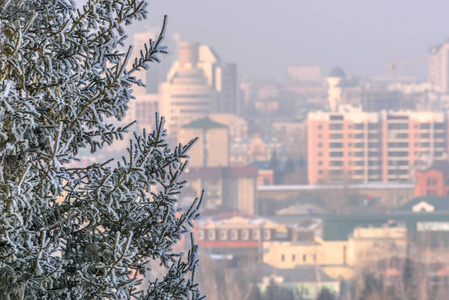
x=157, y=72
x=198, y=84
x=356, y=146
x=439, y=67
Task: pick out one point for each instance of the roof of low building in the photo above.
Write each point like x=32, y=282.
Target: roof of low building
x=204, y=123
x=302, y=274
x=439, y=203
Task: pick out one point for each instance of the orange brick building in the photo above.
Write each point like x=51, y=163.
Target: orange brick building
x=433, y=181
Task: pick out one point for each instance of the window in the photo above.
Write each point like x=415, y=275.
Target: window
x=266, y=234
x=336, y=154
x=314, y=257
x=336, y=117
x=320, y=163
x=320, y=154
x=293, y=257
x=344, y=254
x=349, y=126
x=304, y=258
x=320, y=172
x=336, y=145
x=336, y=126
x=320, y=126
x=211, y=235
x=320, y=136
x=200, y=235
x=336, y=163
x=245, y=234
x=234, y=235
x=223, y=235
x=256, y=234
x=425, y=125
x=320, y=145
x=349, y=135
x=282, y=257
x=396, y=126
x=335, y=136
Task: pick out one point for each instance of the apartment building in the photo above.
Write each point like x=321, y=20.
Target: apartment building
x=356, y=146
x=438, y=62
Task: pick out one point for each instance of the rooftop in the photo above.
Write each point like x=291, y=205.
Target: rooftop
x=205, y=123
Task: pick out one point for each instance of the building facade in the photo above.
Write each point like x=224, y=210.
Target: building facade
x=231, y=187
x=433, y=181
x=438, y=63
x=357, y=146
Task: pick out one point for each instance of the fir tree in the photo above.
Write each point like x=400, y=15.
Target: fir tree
x=89, y=232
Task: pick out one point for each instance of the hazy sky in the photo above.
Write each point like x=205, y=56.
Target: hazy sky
x=265, y=36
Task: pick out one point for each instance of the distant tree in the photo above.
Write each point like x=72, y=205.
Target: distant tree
x=89, y=232
x=372, y=288
x=273, y=291
x=255, y=293
x=408, y=275
x=275, y=166
x=289, y=166
x=325, y=294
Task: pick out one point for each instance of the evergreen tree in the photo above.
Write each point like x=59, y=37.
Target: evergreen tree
x=87, y=232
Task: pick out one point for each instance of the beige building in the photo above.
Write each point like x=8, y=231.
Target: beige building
x=336, y=76
x=438, y=64
x=212, y=148
x=197, y=85
x=339, y=258
x=232, y=187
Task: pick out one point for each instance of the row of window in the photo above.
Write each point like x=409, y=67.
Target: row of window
x=233, y=235
x=293, y=257
x=390, y=145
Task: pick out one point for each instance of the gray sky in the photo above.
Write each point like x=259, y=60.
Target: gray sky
x=265, y=36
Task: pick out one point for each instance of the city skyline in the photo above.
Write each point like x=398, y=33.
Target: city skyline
x=264, y=38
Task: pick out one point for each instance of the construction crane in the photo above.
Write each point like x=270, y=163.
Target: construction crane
x=394, y=64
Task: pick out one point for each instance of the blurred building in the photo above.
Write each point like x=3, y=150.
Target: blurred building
x=334, y=80
x=438, y=63
x=356, y=146
x=237, y=234
x=302, y=282
x=231, y=187
x=238, y=127
x=198, y=84
x=433, y=181
x=157, y=71
x=143, y=109
x=212, y=148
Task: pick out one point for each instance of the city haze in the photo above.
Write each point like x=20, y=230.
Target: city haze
x=264, y=37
